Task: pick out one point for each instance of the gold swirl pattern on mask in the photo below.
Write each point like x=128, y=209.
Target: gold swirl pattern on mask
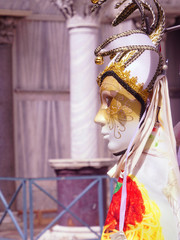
x=120, y=105
x=118, y=114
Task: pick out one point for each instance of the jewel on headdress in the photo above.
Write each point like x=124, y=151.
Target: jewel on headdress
x=99, y=60
x=94, y=1
x=165, y=67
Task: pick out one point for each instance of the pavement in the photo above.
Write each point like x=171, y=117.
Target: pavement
x=9, y=231
x=14, y=235
x=10, y=234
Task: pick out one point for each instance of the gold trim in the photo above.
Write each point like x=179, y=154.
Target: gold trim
x=119, y=69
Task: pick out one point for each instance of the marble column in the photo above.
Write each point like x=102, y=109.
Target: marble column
x=83, y=32
x=7, y=163
x=83, y=87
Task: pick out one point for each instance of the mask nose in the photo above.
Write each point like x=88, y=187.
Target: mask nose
x=101, y=117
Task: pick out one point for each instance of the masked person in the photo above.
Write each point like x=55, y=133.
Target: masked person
x=136, y=120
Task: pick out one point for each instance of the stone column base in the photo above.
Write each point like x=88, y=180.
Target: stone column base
x=87, y=207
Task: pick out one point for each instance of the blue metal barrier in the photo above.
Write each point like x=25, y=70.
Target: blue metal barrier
x=22, y=185
x=33, y=182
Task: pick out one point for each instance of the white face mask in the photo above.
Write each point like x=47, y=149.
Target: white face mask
x=118, y=115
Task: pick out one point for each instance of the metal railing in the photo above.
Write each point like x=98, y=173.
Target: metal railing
x=25, y=185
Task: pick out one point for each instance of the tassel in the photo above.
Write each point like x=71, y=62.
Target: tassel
x=118, y=236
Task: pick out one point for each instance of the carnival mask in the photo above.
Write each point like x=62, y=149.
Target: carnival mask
x=118, y=115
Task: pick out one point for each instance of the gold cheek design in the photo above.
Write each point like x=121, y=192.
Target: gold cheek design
x=117, y=106
x=119, y=114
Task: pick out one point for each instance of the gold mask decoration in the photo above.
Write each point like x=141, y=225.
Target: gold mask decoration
x=119, y=112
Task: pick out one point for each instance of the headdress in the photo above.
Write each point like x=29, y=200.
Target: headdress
x=135, y=54
x=136, y=59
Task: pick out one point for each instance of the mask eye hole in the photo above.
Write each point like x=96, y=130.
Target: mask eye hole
x=108, y=100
